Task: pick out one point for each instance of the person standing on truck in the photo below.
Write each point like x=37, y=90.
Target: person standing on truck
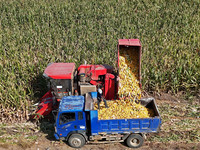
x=100, y=98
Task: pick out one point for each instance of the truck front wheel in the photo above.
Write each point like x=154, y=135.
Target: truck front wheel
x=134, y=140
x=76, y=141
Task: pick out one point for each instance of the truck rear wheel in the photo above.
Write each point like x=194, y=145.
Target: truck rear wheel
x=134, y=140
x=76, y=141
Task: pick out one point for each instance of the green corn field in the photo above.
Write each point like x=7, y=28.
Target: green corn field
x=34, y=33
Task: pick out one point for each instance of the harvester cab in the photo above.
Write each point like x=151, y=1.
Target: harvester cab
x=61, y=79
x=61, y=83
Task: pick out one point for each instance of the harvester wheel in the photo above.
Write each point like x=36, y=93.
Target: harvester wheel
x=76, y=141
x=134, y=140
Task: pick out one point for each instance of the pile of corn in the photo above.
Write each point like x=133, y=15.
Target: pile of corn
x=128, y=91
x=122, y=109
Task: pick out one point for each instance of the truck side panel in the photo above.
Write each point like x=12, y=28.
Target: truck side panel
x=143, y=125
x=140, y=125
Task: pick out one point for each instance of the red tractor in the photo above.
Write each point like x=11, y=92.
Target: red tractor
x=65, y=79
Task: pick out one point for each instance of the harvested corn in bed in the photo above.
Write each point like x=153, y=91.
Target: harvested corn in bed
x=122, y=109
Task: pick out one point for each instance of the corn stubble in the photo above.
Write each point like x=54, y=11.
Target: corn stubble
x=129, y=91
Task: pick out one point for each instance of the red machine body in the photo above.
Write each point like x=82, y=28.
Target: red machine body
x=99, y=74
x=46, y=105
x=94, y=71
x=110, y=87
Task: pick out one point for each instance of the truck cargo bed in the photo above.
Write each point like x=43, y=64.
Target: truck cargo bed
x=133, y=125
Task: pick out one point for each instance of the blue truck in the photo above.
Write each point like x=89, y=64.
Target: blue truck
x=79, y=126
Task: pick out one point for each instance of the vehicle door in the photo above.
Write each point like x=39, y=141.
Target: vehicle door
x=66, y=122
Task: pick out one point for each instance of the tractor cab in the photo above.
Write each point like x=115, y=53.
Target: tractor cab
x=61, y=83
x=61, y=79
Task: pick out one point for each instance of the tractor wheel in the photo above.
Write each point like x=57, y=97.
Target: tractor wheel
x=76, y=141
x=134, y=140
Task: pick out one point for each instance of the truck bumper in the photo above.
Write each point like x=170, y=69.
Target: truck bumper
x=56, y=136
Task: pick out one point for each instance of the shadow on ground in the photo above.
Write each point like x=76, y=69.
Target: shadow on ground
x=47, y=127
x=39, y=87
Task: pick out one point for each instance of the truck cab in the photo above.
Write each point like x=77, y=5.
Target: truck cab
x=68, y=122
x=71, y=120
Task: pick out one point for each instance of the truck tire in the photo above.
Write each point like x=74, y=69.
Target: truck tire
x=76, y=141
x=134, y=140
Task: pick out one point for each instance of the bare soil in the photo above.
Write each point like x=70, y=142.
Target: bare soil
x=44, y=144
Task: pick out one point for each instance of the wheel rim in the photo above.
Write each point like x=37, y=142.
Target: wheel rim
x=135, y=142
x=76, y=142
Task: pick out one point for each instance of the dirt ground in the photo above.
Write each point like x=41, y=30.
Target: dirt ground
x=180, y=131
x=45, y=144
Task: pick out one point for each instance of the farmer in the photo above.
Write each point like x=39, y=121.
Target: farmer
x=99, y=96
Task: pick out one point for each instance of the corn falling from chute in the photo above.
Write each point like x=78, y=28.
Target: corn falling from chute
x=128, y=73
x=128, y=91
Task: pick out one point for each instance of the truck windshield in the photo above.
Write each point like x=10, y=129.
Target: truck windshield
x=66, y=117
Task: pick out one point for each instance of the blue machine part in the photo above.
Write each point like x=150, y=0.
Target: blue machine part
x=71, y=103
x=94, y=122
x=56, y=136
x=142, y=125
x=93, y=95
